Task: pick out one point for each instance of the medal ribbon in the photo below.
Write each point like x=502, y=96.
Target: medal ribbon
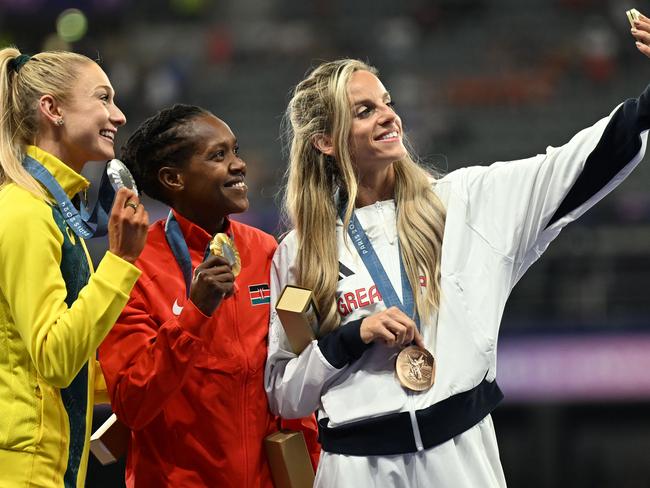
x=84, y=225
x=180, y=250
x=377, y=271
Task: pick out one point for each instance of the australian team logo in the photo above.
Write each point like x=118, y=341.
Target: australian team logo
x=259, y=294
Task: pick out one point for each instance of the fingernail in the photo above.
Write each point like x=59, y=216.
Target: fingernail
x=633, y=30
x=638, y=44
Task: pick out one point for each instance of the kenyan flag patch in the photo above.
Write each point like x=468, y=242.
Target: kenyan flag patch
x=260, y=294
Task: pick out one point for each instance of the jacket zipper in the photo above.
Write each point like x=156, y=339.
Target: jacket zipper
x=244, y=399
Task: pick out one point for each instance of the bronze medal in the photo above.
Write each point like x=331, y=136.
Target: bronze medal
x=415, y=368
x=222, y=245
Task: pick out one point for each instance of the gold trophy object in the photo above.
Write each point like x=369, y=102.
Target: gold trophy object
x=289, y=460
x=299, y=316
x=286, y=449
x=110, y=441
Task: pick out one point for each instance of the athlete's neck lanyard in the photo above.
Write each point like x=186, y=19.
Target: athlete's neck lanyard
x=85, y=225
x=377, y=271
x=180, y=250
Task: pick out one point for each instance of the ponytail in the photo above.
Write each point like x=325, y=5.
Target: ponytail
x=23, y=81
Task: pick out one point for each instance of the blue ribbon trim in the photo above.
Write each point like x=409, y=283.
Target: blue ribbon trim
x=84, y=224
x=378, y=273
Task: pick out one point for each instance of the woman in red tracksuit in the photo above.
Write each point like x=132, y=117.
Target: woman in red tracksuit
x=185, y=362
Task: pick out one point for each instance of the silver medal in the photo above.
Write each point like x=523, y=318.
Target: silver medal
x=120, y=176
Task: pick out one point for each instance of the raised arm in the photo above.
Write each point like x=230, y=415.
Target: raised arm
x=519, y=207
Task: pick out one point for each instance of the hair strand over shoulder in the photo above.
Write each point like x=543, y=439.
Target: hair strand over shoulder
x=320, y=106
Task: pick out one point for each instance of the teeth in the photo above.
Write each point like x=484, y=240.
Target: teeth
x=239, y=184
x=106, y=133
x=390, y=135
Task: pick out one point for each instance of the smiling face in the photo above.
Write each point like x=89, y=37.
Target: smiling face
x=376, y=132
x=90, y=118
x=212, y=182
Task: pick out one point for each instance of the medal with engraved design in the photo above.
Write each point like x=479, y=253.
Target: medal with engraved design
x=223, y=245
x=120, y=176
x=415, y=368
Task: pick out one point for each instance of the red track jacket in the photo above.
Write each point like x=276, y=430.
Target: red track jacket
x=192, y=392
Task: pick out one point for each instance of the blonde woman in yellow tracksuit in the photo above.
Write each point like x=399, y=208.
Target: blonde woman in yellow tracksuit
x=58, y=112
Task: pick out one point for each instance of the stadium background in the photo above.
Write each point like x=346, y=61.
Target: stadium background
x=475, y=81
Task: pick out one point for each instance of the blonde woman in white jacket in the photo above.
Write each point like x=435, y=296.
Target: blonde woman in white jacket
x=370, y=225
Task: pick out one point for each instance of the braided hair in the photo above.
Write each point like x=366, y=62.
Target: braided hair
x=161, y=140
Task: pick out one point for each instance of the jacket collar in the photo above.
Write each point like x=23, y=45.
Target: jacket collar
x=196, y=237
x=71, y=181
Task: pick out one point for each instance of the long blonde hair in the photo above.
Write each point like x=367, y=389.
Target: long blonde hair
x=320, y=106
x=50, y=73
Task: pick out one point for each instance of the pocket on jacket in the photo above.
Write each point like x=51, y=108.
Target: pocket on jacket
x=458, y=299
x=25, y=421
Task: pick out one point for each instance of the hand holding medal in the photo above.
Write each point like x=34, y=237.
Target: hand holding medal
x=120, y=177
x=223, y=245
x=128, y=223
x=214, y=278
x=414, y=366
x=392, y=327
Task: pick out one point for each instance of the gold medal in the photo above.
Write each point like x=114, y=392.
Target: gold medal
x=222, y=245
x=415, y=368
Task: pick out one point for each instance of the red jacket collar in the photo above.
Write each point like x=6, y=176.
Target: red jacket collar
x=195, y=236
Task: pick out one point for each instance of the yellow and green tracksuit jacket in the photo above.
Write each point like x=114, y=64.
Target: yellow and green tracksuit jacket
x=54, y=312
